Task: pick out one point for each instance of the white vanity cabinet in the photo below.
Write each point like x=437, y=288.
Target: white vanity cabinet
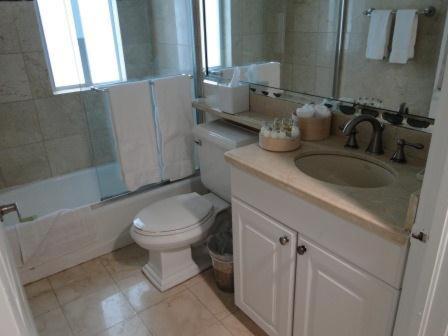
x=335, y=298
x=265, y=251
x=302, y=271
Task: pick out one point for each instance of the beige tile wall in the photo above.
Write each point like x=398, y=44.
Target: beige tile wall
x=135, y=26
x=308, y=60
x=257, y=28
x=171, y=36
x=42, y=135
x=298, y=33
x=393, y=83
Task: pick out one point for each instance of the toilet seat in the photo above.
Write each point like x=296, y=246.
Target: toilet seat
x=173, y=215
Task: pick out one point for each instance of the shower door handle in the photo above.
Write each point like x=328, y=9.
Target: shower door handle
x=8, y=208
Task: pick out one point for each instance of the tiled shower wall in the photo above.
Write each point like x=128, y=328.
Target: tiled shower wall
x=41, y=135
x=44, y=135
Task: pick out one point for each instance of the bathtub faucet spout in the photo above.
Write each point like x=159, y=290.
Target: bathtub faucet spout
x=8, y=208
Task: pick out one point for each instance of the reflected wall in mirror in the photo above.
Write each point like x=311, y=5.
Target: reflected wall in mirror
x=411, y=83
x=303, y=38
x=299, y=35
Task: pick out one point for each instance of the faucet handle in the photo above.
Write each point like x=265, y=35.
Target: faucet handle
x=399, y=155
x=351, y=141
x=414, y=145
x=7, y=208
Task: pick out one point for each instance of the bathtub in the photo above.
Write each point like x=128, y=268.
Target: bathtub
x=108, y=221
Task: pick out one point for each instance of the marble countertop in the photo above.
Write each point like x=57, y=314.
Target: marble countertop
x=383, y=211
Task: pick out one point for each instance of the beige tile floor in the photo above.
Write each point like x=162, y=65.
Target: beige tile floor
x=109, y=296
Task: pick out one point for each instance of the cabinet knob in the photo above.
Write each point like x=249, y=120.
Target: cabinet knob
x=284, y=240
x=301, y=249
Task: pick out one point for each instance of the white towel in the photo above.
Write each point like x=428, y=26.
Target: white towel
x=268, y=74
x=133, y=119
x=174, y=117
x=265, y=74
x=379, y=34
x=306, y=111
x=54, y=235
x=405, y=35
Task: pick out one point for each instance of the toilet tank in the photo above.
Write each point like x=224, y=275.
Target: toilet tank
x=213, y=139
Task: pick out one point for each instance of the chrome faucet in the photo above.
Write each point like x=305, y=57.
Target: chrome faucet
x=376, y=142
x=8, y=208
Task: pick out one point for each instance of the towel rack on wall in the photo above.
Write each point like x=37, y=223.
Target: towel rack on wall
x=429, y=11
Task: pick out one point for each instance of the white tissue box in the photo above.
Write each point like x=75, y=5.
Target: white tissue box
x=233, y=99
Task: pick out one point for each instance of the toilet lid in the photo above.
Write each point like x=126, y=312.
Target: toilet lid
x=173, y=214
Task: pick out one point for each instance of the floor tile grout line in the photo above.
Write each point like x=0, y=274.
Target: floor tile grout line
x=51, y=290
x=113, y=281
x=227, y=329
x=118, y=286
x=203, y=305
x=230, y=312
x=123, y=321
x=87, y=276
x=182, y=290
x=219, y=321
x=136, y=313
x=54, y=292
x=60, y=307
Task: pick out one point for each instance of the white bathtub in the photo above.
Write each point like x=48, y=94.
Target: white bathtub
x=109, y=220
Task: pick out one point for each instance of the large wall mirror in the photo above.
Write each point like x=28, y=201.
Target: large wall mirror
x=300, y=46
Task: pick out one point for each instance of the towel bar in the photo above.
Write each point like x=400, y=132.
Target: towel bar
x=429, y=11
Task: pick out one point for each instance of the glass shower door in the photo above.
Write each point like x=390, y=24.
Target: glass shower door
x=104, y=153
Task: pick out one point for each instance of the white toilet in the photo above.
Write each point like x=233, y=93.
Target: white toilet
x=174, y=230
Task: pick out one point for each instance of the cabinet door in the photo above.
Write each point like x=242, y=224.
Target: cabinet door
x=335, y=298
x=264, y=255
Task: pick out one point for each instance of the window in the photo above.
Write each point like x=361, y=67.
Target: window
x=83, y=42
x=213, y=33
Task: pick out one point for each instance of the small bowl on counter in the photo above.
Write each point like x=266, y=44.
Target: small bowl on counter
x=281, y=135
x=314, y=122
x=315, y=128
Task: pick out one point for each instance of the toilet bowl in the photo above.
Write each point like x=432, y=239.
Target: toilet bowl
x=174, y=230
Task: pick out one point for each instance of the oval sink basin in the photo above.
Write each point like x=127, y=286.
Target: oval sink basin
x=345, y=170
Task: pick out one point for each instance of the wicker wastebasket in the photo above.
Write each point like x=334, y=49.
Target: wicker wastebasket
x=221, y=252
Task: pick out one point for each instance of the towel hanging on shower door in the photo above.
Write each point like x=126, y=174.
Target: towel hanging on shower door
x=134, y=124
x=172, y=97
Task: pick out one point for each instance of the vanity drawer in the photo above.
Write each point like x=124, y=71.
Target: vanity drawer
x=380, y=257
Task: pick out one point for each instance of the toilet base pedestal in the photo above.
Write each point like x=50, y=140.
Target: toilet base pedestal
x=166, y=269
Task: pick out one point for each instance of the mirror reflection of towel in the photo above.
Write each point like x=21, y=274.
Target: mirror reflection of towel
x=405, y=36
x=379, y=34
